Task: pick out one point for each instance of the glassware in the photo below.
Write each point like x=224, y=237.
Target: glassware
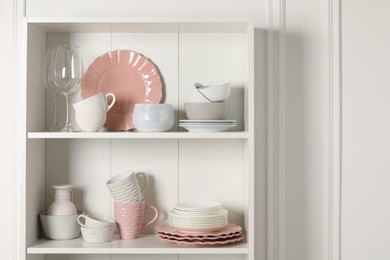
x=49, y=72
x=68, y=74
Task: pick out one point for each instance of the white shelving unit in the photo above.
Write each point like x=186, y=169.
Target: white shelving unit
x=181, y=165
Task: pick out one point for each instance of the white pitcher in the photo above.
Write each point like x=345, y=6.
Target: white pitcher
x=63, y=201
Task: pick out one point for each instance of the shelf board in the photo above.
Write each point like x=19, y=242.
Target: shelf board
x=145, y=244
x=137, y=135
x=126, y=24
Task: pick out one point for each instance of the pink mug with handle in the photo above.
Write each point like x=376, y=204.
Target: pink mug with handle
x=129, y=217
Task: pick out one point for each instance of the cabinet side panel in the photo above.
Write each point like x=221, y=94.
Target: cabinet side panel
x=86, y=165
x=35, y=191
x=212, y=57
x=213, y=170
x=157, y=158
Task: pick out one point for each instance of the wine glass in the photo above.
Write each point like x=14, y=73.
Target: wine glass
x=49, y=72
x=68, y=74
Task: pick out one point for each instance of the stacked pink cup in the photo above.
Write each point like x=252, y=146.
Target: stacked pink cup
x=129, y=203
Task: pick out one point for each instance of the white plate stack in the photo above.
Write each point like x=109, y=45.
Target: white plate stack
x=198, y=216
x=199, y=223
x=207, y=125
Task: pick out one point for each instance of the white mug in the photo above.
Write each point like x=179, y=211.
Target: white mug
x=125, y=187
x=95, y=103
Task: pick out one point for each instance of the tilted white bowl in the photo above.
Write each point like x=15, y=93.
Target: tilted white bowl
x=216, y=92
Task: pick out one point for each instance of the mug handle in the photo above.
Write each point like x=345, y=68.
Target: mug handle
x=153, y=219
x=145, y=177
x=112, y=101
x=79, y=220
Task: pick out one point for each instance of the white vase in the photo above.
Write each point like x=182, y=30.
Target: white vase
x=63, y=201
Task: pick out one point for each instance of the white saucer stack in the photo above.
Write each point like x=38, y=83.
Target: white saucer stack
x=207, y=125
x=198, y=216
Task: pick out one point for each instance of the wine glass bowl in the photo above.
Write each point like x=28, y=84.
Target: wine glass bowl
x=68, y=75
x=49, y=73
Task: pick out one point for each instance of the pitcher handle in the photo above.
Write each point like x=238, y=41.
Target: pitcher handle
x=109, y=106
x=153, y=219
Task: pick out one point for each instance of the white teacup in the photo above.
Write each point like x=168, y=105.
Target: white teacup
x=96, y=103
x=125, y=187
x=94, y=221
x=91, y=121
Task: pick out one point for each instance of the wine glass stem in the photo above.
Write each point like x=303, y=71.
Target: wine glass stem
x=55, y=124
x=67, y=126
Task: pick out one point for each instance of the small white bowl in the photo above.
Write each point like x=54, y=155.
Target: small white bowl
x=206, y=111
x=216, y=92
x=97, y=235
x=153, y=117
x=60, y=227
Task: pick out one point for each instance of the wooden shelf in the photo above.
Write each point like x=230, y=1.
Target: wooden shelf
x=145, y=244
x=137, y=135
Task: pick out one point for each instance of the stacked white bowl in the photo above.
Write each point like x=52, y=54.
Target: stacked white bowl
x=198, y=216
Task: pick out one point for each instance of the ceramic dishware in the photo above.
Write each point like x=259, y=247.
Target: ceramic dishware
x=129, y=218
x=231, y=233
x=63, y=201
x=126, y=187
x=215, y=92
x=195, y=96
x=97, y=234
x=60, y=227
x=206, y=111
x=96, y=103
x=153, y=117
x=94, y=221
x=131, y=76
x=91, y=121
x=198, y=215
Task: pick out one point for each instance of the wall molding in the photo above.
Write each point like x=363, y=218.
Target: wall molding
x=275, y=129
x=276, y=143
x=333, y=11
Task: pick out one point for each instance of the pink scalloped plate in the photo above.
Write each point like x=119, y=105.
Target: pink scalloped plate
x=130, y=76
x=205, y=243
x=169, y=230
x=192, y=238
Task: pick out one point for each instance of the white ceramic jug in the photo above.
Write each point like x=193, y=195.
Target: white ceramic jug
x=63, y=201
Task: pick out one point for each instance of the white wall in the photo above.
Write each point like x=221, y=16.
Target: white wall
x=7, y=129
x=366, y=128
